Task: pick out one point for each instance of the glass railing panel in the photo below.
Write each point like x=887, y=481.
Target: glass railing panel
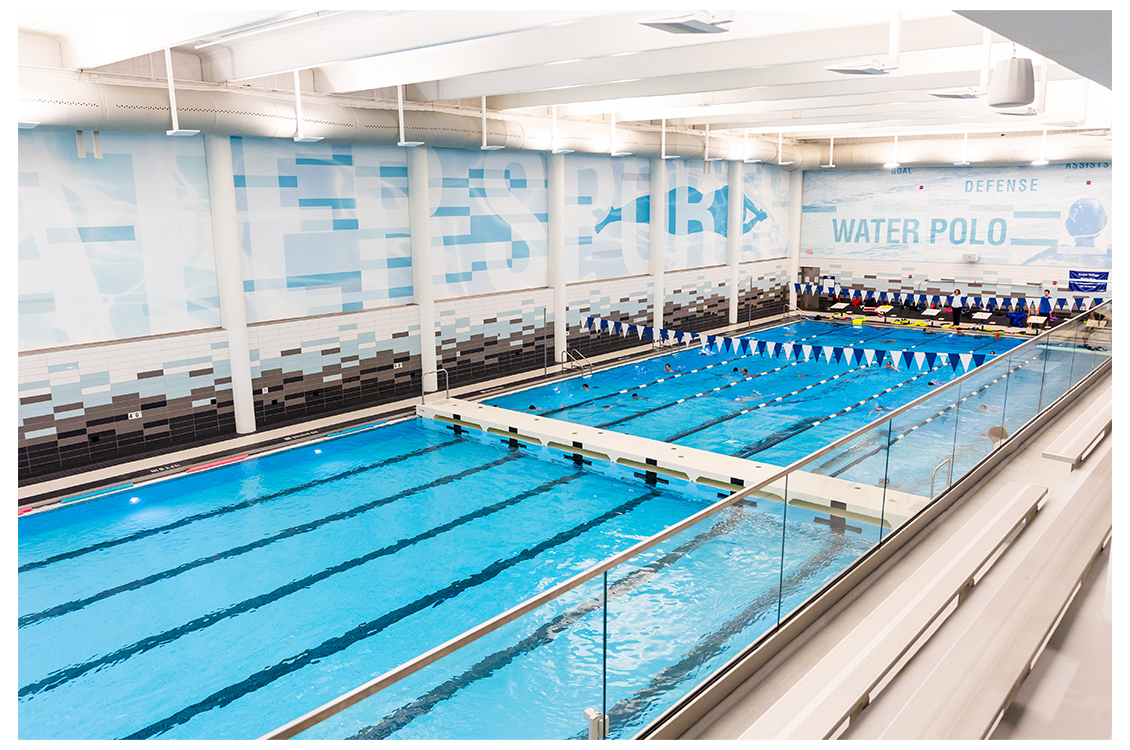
x=1022, y=387
x=979, y=409
x=532, y=679
x=1093, y=341
x=839, y=507
x=679, y=611
x=1058, y=352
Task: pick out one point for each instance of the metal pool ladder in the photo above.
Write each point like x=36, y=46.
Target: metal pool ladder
x=949, y=473
x=446, y=384
x=572, y=359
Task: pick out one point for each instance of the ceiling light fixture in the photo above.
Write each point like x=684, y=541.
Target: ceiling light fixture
x=269, y=26
x=983, y=87
x=173, y=98
x=780, y=151
x=554, y=142
x=874, y=67
x=1043, y=160
x=400, y=116
x=612, y=141
x=663, y=141
x=831, y=161
x=894, y=162
x=299, y=137
x=964, y=152
x=698, y=22
x=745, y=149
x=485, y=147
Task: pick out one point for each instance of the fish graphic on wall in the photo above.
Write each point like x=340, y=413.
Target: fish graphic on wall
x=687, y=212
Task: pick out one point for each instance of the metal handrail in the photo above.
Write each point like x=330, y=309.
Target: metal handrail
x=412, y=666
x=949, y=475
x=446, y=384
x=581, y=360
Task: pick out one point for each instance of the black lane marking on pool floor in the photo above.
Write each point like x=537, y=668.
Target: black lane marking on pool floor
x=734, y=415
x=631, y=710
x=245, y=548
x=757, y=447
x=228, y=508
x=542, y=635
x=328, y=648
x=674, y=375
x=652, y=410
x=58, y=678
x=929, y=419
x=803, y=425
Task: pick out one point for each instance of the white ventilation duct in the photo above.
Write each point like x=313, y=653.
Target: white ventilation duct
x=66, y=100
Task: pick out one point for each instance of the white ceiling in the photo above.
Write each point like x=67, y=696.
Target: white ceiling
x=765, y=73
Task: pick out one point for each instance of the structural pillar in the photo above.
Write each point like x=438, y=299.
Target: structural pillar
x=555, y=177
x=735, y=213
x=229, y=275
x=796, y=204
x=657, y=239
x=423, y=289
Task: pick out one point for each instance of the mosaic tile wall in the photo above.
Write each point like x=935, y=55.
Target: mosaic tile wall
x=75, y=404
x=116, y=247
x=490, y=336
x=627, y=300
x=763, y=289
x=316, y=366
x=942, y=278
x=324, y=228
x=698, y=299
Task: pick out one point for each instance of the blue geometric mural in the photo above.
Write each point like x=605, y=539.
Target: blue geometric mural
x=489, y=215
x=1056, y=215
x=324, y=228
x=601, y=241
x=115, y=247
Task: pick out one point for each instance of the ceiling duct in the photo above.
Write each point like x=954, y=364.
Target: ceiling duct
x=1013, y=84
x=72, y=102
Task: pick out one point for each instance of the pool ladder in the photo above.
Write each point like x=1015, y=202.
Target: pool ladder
x=573, y=359
x=949, y=473
x=446, y=384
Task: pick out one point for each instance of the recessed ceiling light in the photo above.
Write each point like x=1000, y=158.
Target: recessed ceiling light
x=859, y=67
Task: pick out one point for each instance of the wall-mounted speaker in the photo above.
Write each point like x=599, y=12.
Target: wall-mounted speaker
x=1013, y=84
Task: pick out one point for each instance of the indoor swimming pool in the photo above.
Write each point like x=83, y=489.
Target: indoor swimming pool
x=226, y=603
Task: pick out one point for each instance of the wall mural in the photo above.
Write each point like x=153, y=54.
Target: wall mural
x=113, y=247
x=324, y=228
x=489, y=216
x=1057, y=215
x=607, y=216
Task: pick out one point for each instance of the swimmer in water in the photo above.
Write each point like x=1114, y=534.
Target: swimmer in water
x=934, y=382
x=638, y=396
x=667, y=368
x=745, y=371
x=532, y=408
x=879, y=410
x=585, y=386
x=890, y=366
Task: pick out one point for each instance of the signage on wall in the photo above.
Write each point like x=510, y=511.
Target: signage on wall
x=1008, y=215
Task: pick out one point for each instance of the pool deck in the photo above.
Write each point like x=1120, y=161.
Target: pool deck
x=845, y=500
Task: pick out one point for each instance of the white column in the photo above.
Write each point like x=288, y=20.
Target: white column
x=229, y=275
x=796, y=203
x=734, y=233
x=423, y=291
x=555, y=175
x=657, y=238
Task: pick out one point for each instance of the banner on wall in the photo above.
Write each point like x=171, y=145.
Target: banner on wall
x=1057, y=215
x=1088, y=281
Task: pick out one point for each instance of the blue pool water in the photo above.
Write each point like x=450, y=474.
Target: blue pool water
x=226, y=603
